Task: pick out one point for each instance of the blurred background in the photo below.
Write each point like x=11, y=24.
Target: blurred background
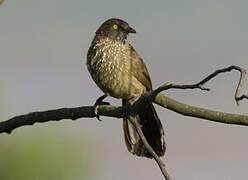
x=43, y=46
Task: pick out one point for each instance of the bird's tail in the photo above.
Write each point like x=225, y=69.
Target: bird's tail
x=152, y=129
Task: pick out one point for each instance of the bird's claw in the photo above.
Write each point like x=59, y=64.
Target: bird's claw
x=98, y=102
x=96, y=112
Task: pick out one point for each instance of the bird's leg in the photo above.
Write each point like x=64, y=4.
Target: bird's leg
x=126, y=109
x=98, y=102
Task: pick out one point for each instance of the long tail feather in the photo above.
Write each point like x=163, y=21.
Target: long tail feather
x=152, y=129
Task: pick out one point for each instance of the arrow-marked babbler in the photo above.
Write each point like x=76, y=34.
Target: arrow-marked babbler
x=120, y=72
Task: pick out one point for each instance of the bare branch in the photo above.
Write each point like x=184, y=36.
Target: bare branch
x=242, y=97
x=149, y=148
x=201, y=84
x=201, y=113
x=115, y=111
x=153, y=96
x=58, y=114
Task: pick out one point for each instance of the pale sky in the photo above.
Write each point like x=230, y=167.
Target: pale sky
x=43, y=46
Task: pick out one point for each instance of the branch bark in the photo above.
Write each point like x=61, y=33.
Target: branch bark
x=116, y=112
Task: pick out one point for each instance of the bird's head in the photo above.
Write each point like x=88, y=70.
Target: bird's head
x=115, y=29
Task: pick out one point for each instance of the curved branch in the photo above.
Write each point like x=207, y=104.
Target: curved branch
x=116, y=111
x=200, y=85
x=153, y=96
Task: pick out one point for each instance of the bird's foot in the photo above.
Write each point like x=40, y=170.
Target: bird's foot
x=99, y=102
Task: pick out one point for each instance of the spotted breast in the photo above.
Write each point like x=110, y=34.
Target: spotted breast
x=109, y=64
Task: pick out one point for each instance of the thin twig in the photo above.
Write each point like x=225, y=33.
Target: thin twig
x=242, y=97
x=149, y=148
x=201, y=84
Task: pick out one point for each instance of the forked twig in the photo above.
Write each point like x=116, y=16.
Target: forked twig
x=200, y=85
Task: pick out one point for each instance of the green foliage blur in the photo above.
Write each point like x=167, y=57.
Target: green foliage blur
x=45, y=152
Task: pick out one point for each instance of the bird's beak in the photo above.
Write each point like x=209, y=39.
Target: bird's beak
x=130, y=30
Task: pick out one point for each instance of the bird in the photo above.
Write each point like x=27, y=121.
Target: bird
x=119, y=71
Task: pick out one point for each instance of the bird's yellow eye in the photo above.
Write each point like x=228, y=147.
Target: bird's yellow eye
x=115, y=26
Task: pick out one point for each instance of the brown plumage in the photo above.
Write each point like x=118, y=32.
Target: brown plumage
x=119, y=71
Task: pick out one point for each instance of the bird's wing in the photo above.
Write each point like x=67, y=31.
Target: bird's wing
x=139, y=69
